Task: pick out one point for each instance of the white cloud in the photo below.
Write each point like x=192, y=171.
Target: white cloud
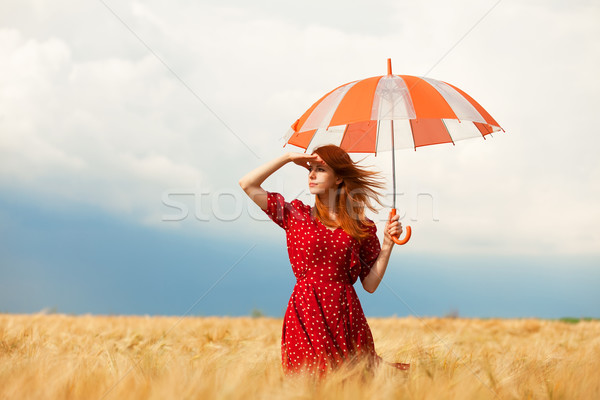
x=90, y=115
x=97, y=128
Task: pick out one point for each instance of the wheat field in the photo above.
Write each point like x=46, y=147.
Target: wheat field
x=54, y=356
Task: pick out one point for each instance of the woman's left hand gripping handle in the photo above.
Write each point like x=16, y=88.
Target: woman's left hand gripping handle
x=397, y=230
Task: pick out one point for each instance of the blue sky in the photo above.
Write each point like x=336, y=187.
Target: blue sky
x=78, y=260
x=125, y=126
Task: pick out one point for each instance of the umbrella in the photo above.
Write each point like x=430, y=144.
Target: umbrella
x=391, y=112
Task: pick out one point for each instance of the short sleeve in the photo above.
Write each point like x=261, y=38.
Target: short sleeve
x=282, y=212
x=369, y=251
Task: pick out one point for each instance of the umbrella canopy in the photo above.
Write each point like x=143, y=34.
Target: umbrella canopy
x=421, y=112
x=391, y=112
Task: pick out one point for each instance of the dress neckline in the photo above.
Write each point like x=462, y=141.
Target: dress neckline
x=332, y=230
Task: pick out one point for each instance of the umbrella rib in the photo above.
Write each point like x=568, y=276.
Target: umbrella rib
x=344, y=135
x=448, y=130
x=481, y=133
x=311, y=140
x=412, y=133
x=377, y=136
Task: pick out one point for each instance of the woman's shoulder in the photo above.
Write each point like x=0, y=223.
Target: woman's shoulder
x=296, y=203
x=370, y=227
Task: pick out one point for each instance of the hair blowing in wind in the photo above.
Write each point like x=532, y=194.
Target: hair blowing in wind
x=355, y=192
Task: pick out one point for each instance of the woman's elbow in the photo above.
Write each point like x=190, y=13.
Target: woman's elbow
x=369, y=288
x=243, y=184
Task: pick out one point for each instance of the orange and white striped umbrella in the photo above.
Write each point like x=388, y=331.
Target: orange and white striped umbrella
x=360, y=116
x=391, y=112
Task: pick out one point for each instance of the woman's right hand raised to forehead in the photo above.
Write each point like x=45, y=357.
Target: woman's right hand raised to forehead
x=304, y=160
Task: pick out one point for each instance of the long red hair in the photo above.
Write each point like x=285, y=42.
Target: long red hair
x=352, y=195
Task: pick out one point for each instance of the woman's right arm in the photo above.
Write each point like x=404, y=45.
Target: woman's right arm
x=252, y=180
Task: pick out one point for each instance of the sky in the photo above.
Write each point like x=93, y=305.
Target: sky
x=125, y=127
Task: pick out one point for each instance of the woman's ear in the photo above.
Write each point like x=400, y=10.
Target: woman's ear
x=338, y=181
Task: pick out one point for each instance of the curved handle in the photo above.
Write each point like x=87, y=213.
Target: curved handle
x=397, y=239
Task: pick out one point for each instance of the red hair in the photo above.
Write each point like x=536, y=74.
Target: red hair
x=352, y=195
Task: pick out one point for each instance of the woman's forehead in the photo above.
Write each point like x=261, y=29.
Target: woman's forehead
x=318, y=161
x=318, y=164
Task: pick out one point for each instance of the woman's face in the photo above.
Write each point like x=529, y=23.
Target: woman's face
x=321, y=177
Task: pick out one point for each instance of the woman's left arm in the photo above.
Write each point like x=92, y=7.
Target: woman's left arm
x=373, y=279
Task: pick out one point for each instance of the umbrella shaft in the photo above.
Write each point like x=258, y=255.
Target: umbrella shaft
x=393, y=168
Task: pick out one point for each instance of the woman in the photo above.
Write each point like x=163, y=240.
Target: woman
x=330, y=245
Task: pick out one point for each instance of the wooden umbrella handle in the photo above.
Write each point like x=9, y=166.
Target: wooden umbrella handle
x=397, y=239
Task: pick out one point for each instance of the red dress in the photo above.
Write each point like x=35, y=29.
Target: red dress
x=324, y=323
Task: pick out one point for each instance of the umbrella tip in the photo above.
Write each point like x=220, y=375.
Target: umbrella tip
x=389, y=62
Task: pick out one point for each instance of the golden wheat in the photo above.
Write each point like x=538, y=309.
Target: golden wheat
x=96, y=357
